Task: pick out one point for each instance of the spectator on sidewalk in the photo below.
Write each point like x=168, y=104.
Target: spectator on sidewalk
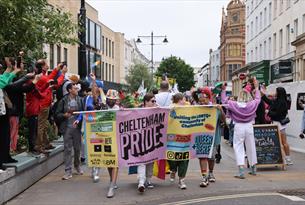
x=5, y=104
x=71, y=129
x=45, y=85
x=278, y=111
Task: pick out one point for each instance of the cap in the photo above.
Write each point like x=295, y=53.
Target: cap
x=112, y=94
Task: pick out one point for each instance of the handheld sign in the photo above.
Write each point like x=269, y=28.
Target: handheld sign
x=268, y=144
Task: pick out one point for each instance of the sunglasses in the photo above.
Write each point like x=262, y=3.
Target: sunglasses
x=153, y=101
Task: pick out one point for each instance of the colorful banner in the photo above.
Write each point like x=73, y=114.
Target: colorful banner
x=191, y=132
x=126, y=138
x=141, y=135
x=100, y=139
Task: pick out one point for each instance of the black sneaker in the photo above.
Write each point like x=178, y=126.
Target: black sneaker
x=217, y=158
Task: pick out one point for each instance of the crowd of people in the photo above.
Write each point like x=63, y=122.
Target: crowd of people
x=60, y=95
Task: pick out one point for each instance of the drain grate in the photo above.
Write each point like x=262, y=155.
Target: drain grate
x=293, y=192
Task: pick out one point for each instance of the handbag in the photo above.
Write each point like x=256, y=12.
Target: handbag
x=285, y=121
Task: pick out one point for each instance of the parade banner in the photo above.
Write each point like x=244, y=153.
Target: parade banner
x=191, y=132
x=100, y=139
x=141, y=135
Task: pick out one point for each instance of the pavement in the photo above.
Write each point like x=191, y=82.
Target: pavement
x=271, y=186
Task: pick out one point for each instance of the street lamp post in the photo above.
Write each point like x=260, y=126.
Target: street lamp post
x=82, y=67
x=152, y=46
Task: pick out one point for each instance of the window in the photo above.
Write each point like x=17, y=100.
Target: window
x=91, y=62
x=103, y=44
x=112, y=73
x=252, y=7
x=252, y=30
x=281, y=5
x=296, y=29
x=265, y=50
x=109, y=44
x=251, y=55
x=265, y=17
x=270, y=13
x=66, y=55
x=274, y=45
x=288, y=2
x=229, y=72
x=92, y=34
x=288, y=38
x=269, y=48
x=260, y=52
x=58, y=54
x=112, y=49
x=280, y=42
x=248, y=10
x=51, y=56
x=106, y=69
x=98, y=37
x=248, y=32
x=98, y=67
x=275, y=9
x=87, y=31
x=260, y=21
x=256, y=25
x=234, y=50
x=109, y=72
x=303, y=24
x=103, y=71
x=248, y=57
x=256, y=54
x=106, y=46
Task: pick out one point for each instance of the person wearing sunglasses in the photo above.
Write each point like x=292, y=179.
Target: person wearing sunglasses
x=145, y=171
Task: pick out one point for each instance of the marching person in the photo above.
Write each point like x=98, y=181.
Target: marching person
x=180, y=166
x=203, y=96
x=145, y=171
x=243, y=115
x=71, y=129
x=278, y=111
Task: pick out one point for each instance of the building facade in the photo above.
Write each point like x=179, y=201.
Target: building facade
x=132, y=55
x=214, y=71
x=232, y=39
x=288, y=22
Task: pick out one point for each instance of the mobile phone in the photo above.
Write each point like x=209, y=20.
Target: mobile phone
x=19, y=59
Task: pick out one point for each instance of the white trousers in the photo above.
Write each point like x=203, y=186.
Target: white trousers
x=244, y=135
x=145, y=171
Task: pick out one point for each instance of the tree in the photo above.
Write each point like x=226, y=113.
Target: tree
x=136, y=74
x=176, y=68
x=28, y=24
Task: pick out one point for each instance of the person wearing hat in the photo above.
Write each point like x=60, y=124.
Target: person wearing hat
x=203, y=96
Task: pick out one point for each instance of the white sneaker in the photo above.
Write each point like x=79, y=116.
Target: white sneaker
x=67, y=176
x=96, y=178
x=172, y=177
x=141, y=188
x=79, y=171
x=182, y=184
x=110, y=193
x=288, y=161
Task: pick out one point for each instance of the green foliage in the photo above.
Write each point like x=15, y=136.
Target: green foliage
x=176, y=68
x=136, y=74
x=28, y=24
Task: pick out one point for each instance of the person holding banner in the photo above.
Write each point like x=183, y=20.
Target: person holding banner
x=203, y=96
x=243, y=113
x=181, y=166
x=145, y=171
x=72, y=132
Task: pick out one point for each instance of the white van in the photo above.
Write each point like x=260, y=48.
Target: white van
x=295, y=91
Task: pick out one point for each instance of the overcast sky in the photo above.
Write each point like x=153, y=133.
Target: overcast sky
x=192, y=26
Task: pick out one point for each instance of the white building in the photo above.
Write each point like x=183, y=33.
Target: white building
x=288, y=21
x=132, y=55
x=258, y=30
x=214, y=71
x=201, y=75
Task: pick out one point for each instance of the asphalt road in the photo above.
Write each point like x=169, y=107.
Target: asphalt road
x=270, y=186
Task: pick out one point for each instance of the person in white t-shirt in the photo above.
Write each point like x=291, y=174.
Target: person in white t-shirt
x=164, y=97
